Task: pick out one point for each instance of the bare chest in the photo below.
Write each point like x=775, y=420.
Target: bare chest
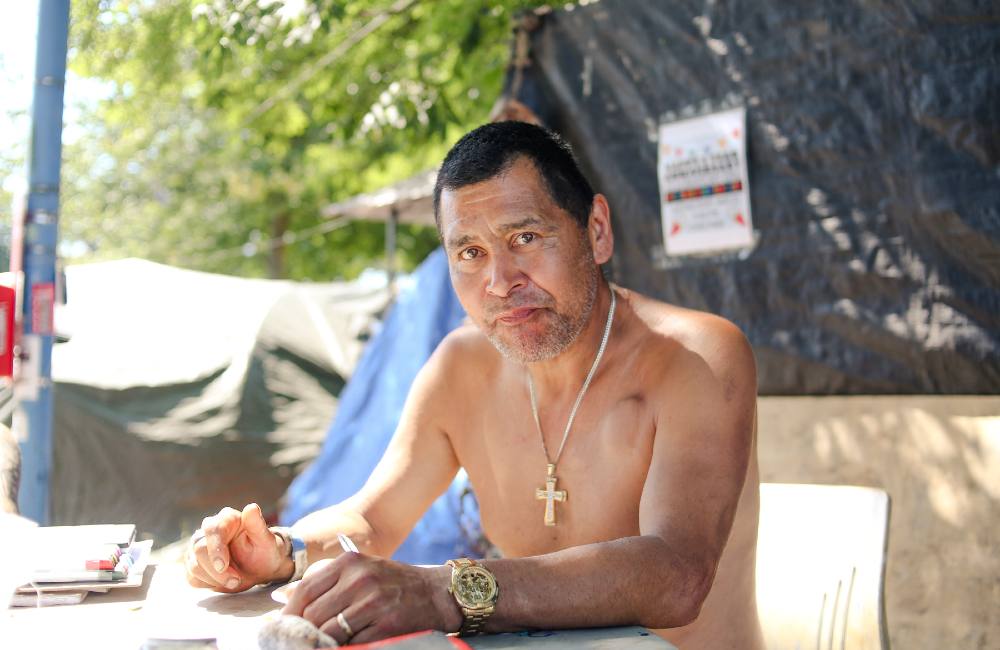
x=598, y=480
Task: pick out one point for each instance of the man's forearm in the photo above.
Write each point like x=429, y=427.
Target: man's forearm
x=630, y=581
x=319, y=530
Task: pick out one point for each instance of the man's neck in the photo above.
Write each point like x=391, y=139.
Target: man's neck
x=561, y=377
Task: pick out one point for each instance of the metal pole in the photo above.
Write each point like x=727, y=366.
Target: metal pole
x=391, y=224
x=34, y=382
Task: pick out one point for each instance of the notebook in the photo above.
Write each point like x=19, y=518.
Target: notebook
x=91, y=553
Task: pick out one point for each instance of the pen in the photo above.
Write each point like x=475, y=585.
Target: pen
x=347, y=544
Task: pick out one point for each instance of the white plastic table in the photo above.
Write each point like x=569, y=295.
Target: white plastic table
x=167, y=607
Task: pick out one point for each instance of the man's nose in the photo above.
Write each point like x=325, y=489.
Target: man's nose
x=505, y=276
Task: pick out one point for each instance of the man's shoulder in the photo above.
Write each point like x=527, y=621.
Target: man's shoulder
x=465, y=351
x=689, y=329
x=689, y=343
x=696, y=364
x=464, y=341
x=458, y=368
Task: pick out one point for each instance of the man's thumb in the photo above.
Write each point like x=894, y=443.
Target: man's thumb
x=255, y=526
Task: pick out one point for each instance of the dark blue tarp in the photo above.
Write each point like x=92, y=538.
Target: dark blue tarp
x=873, y=139
x=426, y=309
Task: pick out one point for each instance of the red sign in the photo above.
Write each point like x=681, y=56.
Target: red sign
x=43, y=298
x=7, y=307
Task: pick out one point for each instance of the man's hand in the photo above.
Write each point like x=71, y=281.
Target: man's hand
x=236, y=553
x=378, y=598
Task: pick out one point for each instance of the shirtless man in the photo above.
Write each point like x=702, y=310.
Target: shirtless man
x=654, y=493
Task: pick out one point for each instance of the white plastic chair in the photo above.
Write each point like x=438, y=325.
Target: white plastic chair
x=821, y=554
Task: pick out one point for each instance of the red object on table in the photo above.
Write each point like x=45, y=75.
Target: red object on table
x=428, y=639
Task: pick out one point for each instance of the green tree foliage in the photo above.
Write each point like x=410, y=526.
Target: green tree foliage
x=226, y=125
x=13, y=118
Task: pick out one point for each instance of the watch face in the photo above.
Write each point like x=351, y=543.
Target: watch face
x=475, y=586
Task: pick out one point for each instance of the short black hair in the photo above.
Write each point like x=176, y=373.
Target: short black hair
x=491, y=149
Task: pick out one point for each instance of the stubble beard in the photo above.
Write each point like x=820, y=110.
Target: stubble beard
x=559, y=332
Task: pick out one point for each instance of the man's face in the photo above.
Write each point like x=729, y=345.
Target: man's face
x=521, y=266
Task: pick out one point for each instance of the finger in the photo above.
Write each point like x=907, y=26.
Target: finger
x=196, y=561
x=219, y=531
x=213, y=552
x=193, y=568
x=361, y=618
x=324, y=608
x=198, y=584
x=332, y=628
x=196, y=576
x=255, y=526
x=369, y=634
x=320, y=578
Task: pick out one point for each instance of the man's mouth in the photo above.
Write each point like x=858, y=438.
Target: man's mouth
x=516, y=316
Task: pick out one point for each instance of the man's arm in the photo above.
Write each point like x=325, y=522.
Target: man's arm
x=417, y=467
x=658, y=579
x=239, y=551
x=704, y=436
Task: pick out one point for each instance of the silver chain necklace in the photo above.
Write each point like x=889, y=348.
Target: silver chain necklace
x=549, y=493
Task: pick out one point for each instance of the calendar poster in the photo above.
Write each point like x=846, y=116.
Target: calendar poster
x=704, y=191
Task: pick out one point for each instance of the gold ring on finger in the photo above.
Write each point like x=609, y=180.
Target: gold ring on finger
x=344, y=625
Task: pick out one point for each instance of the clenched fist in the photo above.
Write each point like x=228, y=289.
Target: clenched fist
x=235, y=550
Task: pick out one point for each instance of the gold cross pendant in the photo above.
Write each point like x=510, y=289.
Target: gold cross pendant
x=550, y=494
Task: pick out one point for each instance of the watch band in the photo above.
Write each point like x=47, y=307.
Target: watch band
x=473, y=618
x=296, y=550
x=473, y=622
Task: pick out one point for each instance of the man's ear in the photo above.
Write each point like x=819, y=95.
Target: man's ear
x=602, y=240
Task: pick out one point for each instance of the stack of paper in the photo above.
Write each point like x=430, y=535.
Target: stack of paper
x=83, y=558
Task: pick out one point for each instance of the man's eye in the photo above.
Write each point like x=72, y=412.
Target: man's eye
x=469, y=254
x=524, y=238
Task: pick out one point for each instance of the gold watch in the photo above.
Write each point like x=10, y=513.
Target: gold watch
x=476, y=591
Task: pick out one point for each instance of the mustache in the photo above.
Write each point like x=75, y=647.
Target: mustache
x=494, y=308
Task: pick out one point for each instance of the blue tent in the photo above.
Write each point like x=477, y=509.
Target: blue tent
x=426, y=309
